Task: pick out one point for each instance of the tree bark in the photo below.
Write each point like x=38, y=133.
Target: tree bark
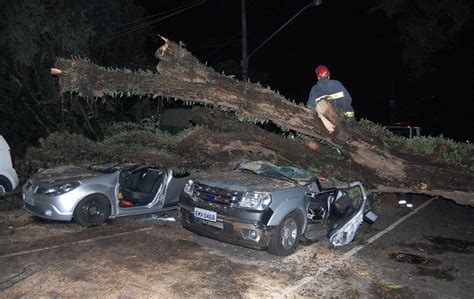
x=365, y=154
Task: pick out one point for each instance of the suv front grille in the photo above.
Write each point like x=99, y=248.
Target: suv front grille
x=214, y=195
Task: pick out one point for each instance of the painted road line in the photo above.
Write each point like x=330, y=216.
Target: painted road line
x=391, y=227
x=75, y=242
x=303, y=281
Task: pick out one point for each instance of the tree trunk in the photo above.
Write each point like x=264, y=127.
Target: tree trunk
x=365, y=154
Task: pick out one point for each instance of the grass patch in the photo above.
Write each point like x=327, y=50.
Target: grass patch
x=444, y=148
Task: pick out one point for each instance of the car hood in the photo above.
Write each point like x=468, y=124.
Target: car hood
x=243, y=181
x=63, y=174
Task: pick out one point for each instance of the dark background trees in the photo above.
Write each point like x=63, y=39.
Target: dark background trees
x=414, y=54
x=33, y=34
x=427, y=29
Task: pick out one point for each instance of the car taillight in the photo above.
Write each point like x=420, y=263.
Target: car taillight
x=11, y=158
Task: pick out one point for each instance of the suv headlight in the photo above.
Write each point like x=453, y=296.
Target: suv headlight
x=61, y=189
x=188, y=188
x=255, y=200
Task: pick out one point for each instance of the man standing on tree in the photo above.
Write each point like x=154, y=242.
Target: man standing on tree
x=332, y=91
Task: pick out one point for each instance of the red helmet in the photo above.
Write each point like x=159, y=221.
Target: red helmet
x=322, y=71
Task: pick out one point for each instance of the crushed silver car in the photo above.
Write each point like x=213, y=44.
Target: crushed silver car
x=264, y=206
x=90, y=195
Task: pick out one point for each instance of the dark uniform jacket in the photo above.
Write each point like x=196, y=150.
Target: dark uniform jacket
x=327, y=86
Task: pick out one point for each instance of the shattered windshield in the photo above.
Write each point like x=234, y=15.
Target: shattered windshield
x=294, y=173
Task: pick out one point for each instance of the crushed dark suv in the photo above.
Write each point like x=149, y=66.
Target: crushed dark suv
x=264, y=206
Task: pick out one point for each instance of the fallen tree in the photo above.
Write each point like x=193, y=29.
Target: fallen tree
x=363, y=150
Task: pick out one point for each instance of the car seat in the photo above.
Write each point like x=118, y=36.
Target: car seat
x=144, y=186
x=320, y=204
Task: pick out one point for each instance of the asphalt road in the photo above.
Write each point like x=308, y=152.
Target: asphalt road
x=425, y=251
x=430, y=253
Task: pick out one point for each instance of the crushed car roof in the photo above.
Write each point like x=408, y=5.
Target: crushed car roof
x=300, y=175
x=256, y=175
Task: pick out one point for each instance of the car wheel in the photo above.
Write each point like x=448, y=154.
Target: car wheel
x=93, y=210
x=5, y=185
x=287, y=236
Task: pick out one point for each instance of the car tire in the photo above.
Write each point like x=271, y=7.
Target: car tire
x=5, y=184
x=286, y=238
x=92, y=210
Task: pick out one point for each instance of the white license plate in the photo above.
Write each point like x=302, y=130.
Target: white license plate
x=29, y=200
x=205, y=214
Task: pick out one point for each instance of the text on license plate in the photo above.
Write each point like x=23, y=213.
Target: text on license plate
x=205, y=214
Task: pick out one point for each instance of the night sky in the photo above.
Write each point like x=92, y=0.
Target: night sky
x=362, y=50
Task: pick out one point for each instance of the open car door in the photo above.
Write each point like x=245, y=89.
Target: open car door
x=340, y=211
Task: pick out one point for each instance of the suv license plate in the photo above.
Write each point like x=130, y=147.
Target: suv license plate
x=205, y=214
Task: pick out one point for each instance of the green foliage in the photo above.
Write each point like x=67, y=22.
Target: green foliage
x=124, y=141
x=62, y=148
x=225, y=109
x=449, y=150
x=253, y=119
x=284, y=130
x=374, y=128
x=145, y=137
x=136, y=137
x=119, y=127
x=440, y=147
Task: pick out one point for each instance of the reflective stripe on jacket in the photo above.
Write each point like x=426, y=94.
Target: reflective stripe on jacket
x=328, y=87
